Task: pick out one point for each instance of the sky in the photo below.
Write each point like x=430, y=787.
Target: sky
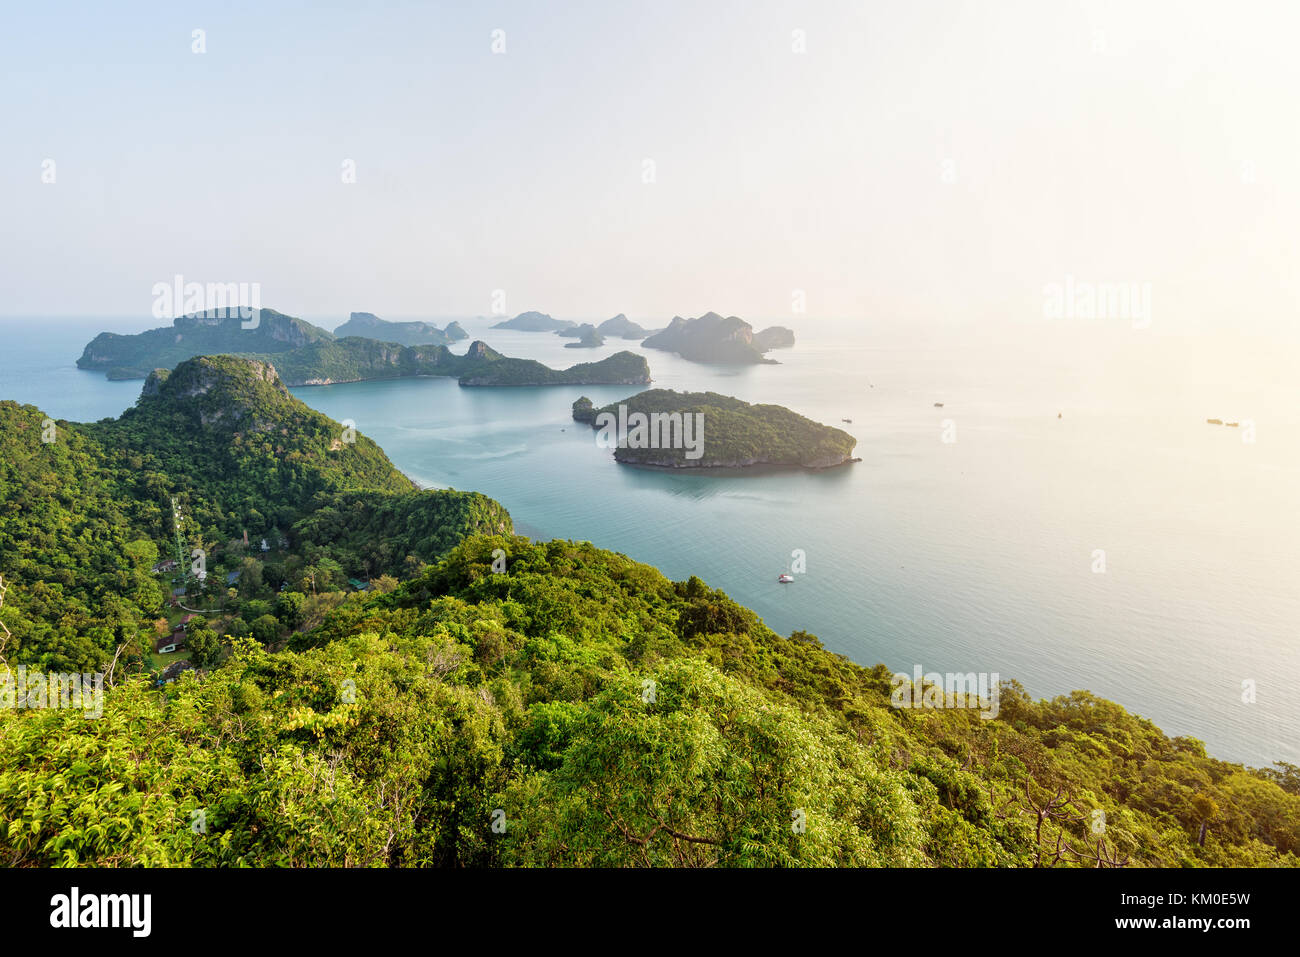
x=842, y=160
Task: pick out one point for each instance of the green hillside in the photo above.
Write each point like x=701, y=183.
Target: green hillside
x=578, y=708
x=84, y=518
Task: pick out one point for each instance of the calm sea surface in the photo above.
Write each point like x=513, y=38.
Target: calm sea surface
x=973, y=555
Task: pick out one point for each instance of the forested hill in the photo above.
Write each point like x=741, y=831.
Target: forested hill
x=232, y=425
x=84, y=517
x=135, y=356
x=573, y=707
x=731, y=433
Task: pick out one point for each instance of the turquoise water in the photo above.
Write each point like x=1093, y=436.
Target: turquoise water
x=975, y=555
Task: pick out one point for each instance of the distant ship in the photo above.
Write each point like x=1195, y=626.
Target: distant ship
x=849, y=421
x=786, y=579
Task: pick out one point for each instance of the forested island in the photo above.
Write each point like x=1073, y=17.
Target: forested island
x=87, y=515
x=483, y=366
x=622, y=327
x=614, y=717
x=729, y=433
x=304, y=354
x=370, y=326
x=134, y=356
x=576, y=332
x=534, y=322
x=586, y=334
x=711, y=338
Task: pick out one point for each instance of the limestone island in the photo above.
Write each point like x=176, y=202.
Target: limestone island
x=774, y=337
x=304, y=354
x=483, y=366
x=711, y=338
x=370, y=326
x=661, y=427
x=534, y=322
x=622, y=327
x=586, y=334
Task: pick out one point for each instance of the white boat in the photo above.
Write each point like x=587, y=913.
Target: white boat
x=786, y=579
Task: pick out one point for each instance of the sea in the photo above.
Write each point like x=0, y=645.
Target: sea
x=1042, y=501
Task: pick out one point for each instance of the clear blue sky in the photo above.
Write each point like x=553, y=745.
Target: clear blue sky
x=1114, y=142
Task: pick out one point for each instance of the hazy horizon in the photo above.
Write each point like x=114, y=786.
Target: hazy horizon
x=936, y=162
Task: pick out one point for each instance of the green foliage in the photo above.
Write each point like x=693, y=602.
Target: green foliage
x=370, y=534
x=288, y=608
x=598, y=714
x=734, y=433
x=72, y=556
x=483, y=366
x=265, y=629
x=135, y=356
x=84, y=518
x=576, y=709
x=204, y=645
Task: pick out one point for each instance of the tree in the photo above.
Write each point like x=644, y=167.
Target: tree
x=4, y=639
x=288, y=608
x=204, y=646
x=255, y=609
x=142, y=552
x=703, y=771
x=1206, y=811
x=250, y=576
x=266, y=629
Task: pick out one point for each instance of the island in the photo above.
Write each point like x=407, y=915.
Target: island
x=534, y=322
x=774, y=337
x=304, y=354
x=482, y=366
x=370, y=326
x=621, y=327
x=207, y=333
x=711, y=338
x=587, y=336
x=669, y=429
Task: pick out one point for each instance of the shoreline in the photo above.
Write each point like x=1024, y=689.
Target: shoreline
x=756, y=467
